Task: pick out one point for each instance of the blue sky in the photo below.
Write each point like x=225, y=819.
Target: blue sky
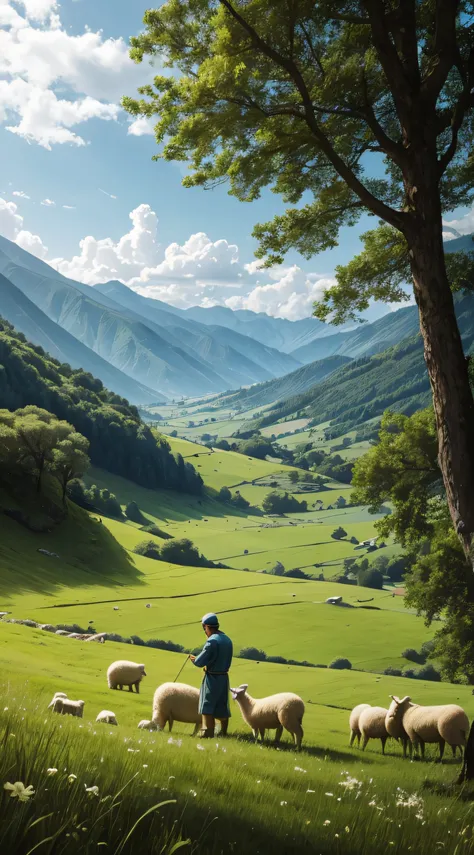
x=52, y=68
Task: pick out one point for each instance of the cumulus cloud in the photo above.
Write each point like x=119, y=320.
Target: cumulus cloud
x=462, y=226
x=20, y=194
x=11, y=227
x=38, y=57
x=48, y=203
x=200, y=271
x=141, y=127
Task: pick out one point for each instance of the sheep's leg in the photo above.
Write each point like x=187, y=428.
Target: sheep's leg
x=278, y=734
x=442, y=743
x=353, y=736
x=130, y=687
x=422, y=748
x=364, y=742
x=261, y=731
x=196, y=728
x=137, y=687
x=255, y=734
x=170, y=723
x=298, y=736
x=383, y=740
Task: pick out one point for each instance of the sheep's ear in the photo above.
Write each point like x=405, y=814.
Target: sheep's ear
x=244, y=686
x=405, y=699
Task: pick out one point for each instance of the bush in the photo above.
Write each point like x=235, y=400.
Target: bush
x=393, y=672
x=135, y=639
x=428, y=672
x=159, y=644
x=296, y=573
x=282, y=503
x=158, y=532
x=339, y=533
x=253, y=653
x=134, y=514
x=181, y=551
x=224, y=494
x=354, y=540
x=149, y=549
x=340, y=664
x=414, y=656
x=278, y=569
x=370, y=578
x=239, y=502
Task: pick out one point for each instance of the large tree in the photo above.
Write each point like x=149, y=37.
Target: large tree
x=70, y=459
x=360, y=105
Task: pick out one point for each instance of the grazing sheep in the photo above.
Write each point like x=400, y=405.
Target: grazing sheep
x=435, y=724
x=47, y=627
x=176, y=702
x=61, y=632
x=146, y=724
x=354, y=722
x=372, y=726
x=107, y=717
x=275, y=712
x=55, y=697
x=99, y=637
x=66, y=707
x=124, y=673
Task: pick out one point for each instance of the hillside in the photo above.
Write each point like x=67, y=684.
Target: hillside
x=119, y=440
x=292, y=384
x=395, y=379
x=38, y=328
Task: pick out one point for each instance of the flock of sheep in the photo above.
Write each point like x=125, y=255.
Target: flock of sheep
x=414, y=725
x=179, y=702
x=411, y=724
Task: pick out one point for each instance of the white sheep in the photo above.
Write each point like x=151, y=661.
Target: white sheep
x=64, y=706
x=124, y=673
x=146, y=724
x=107, y=717
x=372, y=726
x=420, y=724
x=284, y=710
x=176, y=702
x=55, y=697
x=354, y=722
x=99, y=637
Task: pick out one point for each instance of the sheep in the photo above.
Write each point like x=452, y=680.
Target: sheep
x=47, y=627
x=107, y=717
x=55, y=697
x=175, y=702
x=61, y=632
x=354, y=722
x=124, y=673
x=372, y=726
x=284, y=710
x=99, y=637
x=64, y=706
x=421, y=724
x=146, y=724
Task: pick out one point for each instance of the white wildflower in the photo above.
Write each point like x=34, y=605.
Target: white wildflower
x=200, y=747
x=72, y=778
x=177, y=742
x=19, y=791
x=327, y=822
x=51, y=771
x=92, y=791
x=328, y=794
x=193, y=793
x=350, y=783
x=283, y=803
x=299, y=769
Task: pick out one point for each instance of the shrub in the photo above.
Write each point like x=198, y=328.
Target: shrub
x=224, y=494
x=296, y=573
x=340, y=664
x=135, y=639
x=278, y=569
x=253, y=653
x=159, y=644
x=339, y=533
x=393, y=672
x=370, y=578
x=180, y=551
x=282, y=503
x=239, y=502
x=149, y=549
x=413, y=656
x=428, y=672
x=134, y=514
x=354, y=540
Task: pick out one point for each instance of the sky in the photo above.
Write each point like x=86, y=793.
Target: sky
x=79, y=189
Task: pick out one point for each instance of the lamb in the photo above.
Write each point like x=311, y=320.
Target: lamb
x=55, y=697
x=66, y=707
x=107, y=717
x=372, y=726
x=175, y=702
x=124, y=673
x=284, y=710
x=442, y=724
x=354, y=722
x=146, y=724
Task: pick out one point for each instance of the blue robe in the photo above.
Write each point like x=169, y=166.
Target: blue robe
x=216, y=655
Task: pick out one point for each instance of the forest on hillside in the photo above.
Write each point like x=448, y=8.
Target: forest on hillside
x=118, y=439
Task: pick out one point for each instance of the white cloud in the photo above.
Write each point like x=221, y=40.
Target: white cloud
x=141, y=127
x=110, y=195
x=20, y=194
x=69, y=207
x=11, y=227
x=48, y=203
x=462, y=226
x=198, y=272
x=38, y=58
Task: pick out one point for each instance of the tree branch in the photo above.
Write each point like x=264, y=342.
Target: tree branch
x=394, y=149
x=396, y=218
x=444, y=49
x=312, y=50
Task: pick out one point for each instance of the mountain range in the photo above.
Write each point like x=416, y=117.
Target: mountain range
x=149, y=352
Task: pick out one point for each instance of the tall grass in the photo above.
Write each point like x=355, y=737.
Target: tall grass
x=116, y=790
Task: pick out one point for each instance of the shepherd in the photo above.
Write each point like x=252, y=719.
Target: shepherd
x=215, y=658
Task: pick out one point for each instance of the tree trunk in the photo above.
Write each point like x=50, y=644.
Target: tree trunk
x=40, y=475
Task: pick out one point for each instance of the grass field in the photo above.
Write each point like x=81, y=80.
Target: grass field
x=226, y=796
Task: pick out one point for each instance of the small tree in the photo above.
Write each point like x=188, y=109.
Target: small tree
x=224, y=494
x=70, y=460
x=253, y=653
x=278, y=569
x=134, y=514
x=340, y=664
x=294, y=476
x=370, y=578
x=339, y=533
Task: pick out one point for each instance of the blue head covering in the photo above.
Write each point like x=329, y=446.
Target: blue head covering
x=210, y=620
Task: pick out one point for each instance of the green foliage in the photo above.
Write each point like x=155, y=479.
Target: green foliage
x=151, y=528
x=224, y=494
x=119, y=440
x=339, y=533
x=174, y=551
x=94, y=498
x=294, y=476
x=340, y=664
x=370, y=578
x=257, y=446
x=282, y=503
x=134, y=514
